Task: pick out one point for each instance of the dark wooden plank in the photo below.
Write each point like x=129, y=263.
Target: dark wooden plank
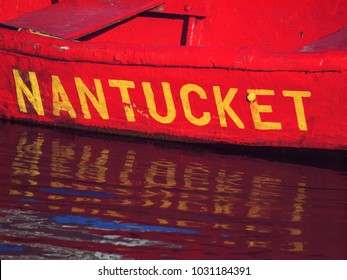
x=73, y=19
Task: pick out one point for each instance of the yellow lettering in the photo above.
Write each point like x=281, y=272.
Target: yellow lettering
x=152, y=108
x=99, y=103
x=123, y=87
x=256, y=109
x=223, y=105
x=33, y=96
x=299, y=106
x=185, y=91
x=60, y=99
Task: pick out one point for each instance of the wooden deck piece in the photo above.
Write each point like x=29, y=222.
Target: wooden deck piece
x=76, y=18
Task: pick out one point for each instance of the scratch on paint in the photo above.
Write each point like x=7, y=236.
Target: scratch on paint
x=64, y=48
x=141, y=112
x=33, y=44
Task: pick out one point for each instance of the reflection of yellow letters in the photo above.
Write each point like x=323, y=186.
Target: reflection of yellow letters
x=162, y=169
x=123, y=87
x=98, y=103
x=60, y=99
x=297, y=247
x=62, y=159
x=33, y=96
x=171, y=111
x=93, y=171
x=26, y=162
x=223, y=106
x=298, y=205
x=264, y=189
x=196, y=176
x=299, y=106
x=127, y=169
x=185, y=90
x=256, y=109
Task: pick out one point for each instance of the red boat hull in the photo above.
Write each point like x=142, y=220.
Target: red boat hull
x=188, y=93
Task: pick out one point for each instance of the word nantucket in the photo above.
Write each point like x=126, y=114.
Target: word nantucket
x=192, y=103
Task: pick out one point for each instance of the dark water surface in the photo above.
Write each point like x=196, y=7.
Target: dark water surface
x=70, y=196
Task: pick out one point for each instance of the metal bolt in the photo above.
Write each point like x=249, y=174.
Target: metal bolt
x=251, y=97
x=188, y=8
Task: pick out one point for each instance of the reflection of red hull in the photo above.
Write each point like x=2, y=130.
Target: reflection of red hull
x=184, y=203
x=208, y=72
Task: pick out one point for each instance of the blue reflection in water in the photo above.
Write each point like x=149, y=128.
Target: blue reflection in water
x=29, y=200
x=7, y=248
x=100, y=224
x=80, y=193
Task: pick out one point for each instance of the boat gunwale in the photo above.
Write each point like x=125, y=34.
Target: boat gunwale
x=25, y=42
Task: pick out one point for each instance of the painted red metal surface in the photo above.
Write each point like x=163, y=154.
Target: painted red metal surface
x=238, y=72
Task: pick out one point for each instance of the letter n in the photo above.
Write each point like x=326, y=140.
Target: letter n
x=98, y=102
x=33, y=95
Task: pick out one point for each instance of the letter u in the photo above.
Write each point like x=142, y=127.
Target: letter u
x=152, y=108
